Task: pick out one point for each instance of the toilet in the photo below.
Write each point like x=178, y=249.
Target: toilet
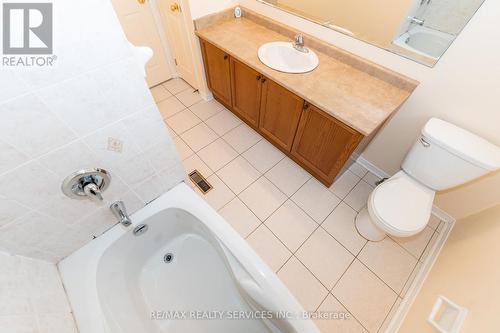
x=444, y=156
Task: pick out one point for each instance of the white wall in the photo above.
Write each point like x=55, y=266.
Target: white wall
x=32, y=297
x=55, y=122
x=462, y=88
x=201, y=8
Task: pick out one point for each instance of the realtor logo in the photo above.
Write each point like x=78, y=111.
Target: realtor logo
x=27, y=28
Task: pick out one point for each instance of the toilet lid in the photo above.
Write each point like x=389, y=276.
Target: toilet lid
x=402, y=204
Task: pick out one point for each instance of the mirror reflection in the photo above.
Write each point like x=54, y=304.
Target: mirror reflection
x=421, y=30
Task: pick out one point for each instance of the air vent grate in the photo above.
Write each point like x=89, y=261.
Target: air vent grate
x=200, y=181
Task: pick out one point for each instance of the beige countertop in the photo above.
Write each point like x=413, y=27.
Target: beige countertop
x=353, y=96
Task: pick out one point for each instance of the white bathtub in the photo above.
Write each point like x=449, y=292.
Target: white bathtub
x=120, y=282
x=427, y=44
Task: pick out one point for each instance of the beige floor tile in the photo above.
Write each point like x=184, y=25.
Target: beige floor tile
x=346, y=324
x=325, y=257
x=389, y=317
x=182, y=148
x=315, y=199
x=429, y=246
x=189, y=97
x=416, y=244
x=263, y=156
x=410, y=280
x=183, y=121
x=194, y=162
x=371, y=179
x=365, y=296
x=240, y=217
x=169, y=107
x=341, y=225
x=302, y=284
x=263, y=198
x=358, y=197
x=358, y=169
x=344, y=184
x=434, y=222
x=176, y=85
x=206, y=109
x=242, y=137
x=268, y=247
x=220, y=195
x=217, y=154
x=288, y=176
x=389, y=261
x=223, y=122
x=238, y=174
x=291, y=225
x=199, y=137
x=160, y=93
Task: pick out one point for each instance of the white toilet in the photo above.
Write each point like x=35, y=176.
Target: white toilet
x=443, y=157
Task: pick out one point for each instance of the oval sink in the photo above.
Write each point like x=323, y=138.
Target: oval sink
x=283, y=57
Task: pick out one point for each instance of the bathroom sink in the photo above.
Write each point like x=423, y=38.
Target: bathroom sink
x=283, y=57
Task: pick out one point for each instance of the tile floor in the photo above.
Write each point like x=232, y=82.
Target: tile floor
x=303, y=230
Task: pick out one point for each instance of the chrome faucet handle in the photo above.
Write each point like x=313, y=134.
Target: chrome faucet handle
x=93, y=192
x=299, y=39
x=299, y=43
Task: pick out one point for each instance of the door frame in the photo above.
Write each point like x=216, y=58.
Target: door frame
x=194, y=45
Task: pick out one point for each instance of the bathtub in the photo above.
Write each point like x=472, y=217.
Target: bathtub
x=188, y=272
x=426, y=43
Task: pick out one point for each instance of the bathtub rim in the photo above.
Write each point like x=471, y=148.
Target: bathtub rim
x=79, y=270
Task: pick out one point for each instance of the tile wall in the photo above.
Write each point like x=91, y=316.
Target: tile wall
x=57, y=121
x=32, y=297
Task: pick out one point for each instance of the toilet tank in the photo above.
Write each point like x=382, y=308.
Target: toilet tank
x=445, y=156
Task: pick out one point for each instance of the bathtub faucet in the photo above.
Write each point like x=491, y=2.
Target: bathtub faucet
x=415, y=20
x=119, y=211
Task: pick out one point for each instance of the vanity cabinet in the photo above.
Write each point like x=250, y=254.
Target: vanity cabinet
x=280, y=112
x=217, y=69
x=311, y=137
x=323, y=144
x=246, y=92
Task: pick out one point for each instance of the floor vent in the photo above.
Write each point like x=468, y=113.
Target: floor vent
x=200, y=181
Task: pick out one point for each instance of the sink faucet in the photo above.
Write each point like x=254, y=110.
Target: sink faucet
x=415, y=20
x=119, y=211
x=298, y=43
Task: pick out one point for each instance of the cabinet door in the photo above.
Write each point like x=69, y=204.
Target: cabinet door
x=218, y=73
x=279, y=114
x=323, y=144
x=246, y=89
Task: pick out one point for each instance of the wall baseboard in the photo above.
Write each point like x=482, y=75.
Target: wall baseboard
x=369, y=166
x=418, y=282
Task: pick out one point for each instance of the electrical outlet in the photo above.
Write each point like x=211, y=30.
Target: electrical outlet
x=115, y=145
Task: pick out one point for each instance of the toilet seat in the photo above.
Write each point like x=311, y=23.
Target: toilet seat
x=401, y=206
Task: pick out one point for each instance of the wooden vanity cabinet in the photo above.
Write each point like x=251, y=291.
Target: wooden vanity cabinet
x=314, y=139
x=217, y=70
x=246, y=86
x=323, y=144
x=280, y=112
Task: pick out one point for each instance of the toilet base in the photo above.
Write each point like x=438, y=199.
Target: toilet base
x=366, y=228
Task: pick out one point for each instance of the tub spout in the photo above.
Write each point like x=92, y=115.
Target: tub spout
x=119, y=211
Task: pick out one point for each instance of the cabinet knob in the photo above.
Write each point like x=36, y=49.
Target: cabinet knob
x=306, y=106
x=226, y=56
x=259, y=77
x=263, y=80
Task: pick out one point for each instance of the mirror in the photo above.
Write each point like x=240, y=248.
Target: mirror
x=421, y=30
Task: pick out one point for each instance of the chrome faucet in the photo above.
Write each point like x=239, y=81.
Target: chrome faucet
x=298, y=43
x=415, y=20
x=119, y=211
